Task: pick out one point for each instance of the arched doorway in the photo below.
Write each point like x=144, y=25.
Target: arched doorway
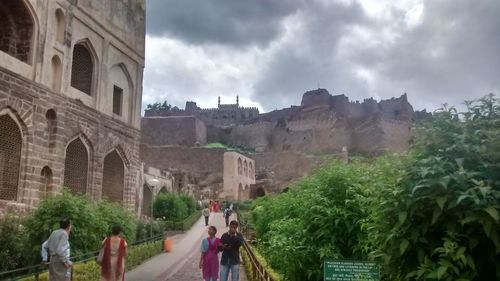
x=257, y=192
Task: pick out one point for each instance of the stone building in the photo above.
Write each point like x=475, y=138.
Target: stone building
x=239, y=174
x=70, y=99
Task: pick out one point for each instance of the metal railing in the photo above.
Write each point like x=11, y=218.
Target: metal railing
x=36, y=270
x=258, y=272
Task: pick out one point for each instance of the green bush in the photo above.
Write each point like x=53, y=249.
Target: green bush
x=322, y=217
x=190, y=203
x=442, y=221
x=140, y=253
x=91, y=223
x=114, y=213
x=12, y=235
x=169, y=206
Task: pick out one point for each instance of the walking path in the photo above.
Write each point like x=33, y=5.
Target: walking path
x=181, y=264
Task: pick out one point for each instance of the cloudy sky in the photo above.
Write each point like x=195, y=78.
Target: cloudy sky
x=269, y=52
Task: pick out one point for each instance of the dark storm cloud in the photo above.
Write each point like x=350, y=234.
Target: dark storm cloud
x=230, y=22
x=450, y=54
x=310, y=60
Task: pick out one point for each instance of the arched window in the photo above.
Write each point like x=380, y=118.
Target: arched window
x=10, y=157
x=16, y=29
x=61, y=25
x=46, y=188
x=250, y=170
x=51, y=118
x=56, y=73
x=240, y=166
x=113, y=177
x=245, y=168
x=82, y=69
x=76, y=166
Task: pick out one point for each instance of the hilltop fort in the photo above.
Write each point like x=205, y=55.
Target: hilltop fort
x=288, y=143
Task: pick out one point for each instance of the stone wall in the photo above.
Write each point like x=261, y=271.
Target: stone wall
x=28, y=104
x=183, y=158
x=184, y=131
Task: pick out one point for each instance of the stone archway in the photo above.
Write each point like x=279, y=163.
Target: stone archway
x=76, y=167
x=257, y=192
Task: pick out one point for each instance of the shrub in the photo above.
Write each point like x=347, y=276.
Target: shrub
x=170, y=207
x=323, y=216
x=190, y=203
x=442, y=220
x=90, y=224
x=12, y=235
x=87, y=229
x=113, y=213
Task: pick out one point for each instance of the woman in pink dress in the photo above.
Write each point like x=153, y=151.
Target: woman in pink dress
x=209, y=260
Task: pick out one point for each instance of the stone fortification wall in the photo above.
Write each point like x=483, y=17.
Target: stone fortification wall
x=190, y=159
x=182, y=130
x=256, y=135
x=397, y=134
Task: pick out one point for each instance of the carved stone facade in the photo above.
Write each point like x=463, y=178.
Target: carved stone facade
x=70, y=98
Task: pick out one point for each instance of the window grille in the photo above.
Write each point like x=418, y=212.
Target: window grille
x=113, y=177
x=10, y=157
x=82, y=69
x=76, y=167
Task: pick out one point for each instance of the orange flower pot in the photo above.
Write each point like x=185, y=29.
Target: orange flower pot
x=167, y=245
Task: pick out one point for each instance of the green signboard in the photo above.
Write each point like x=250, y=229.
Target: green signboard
x=351, y=270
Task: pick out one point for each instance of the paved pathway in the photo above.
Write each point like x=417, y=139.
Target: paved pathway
x=181, y=264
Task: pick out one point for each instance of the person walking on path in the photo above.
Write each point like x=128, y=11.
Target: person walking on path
x=230, y=244
x=206, y=214
x=227, y=213
x=209, y=260
x=113, y=261
x=58, y=247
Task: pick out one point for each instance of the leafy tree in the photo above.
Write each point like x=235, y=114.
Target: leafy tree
x=190, y=203
x=157, y=106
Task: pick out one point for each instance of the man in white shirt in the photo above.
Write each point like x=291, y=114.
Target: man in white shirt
x=58, y=250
